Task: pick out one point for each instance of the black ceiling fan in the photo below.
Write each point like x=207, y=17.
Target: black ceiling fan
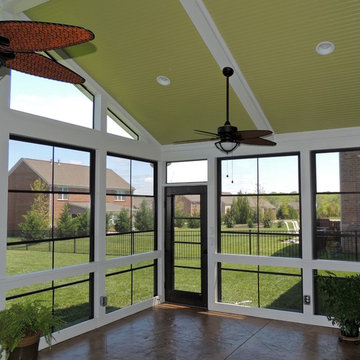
x=228, y=136
x=19, y=41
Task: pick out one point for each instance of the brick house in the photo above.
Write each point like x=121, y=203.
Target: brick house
x=226, y=203
x=349, y=162
x=65, y=178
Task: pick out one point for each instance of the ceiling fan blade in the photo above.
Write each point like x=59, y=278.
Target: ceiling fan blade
x=29, y=36
x=258, y=141
x=39, y=65
x=250, y=134
x=205, y=132
x=194, y=140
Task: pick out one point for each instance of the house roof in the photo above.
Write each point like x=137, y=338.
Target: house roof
x=227, y=200
x=72, y=175
x=280, y=83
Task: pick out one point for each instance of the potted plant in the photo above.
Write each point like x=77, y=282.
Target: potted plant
x=341, y=297
x=21, y=327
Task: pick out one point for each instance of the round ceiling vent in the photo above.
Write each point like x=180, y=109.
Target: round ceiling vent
x=163, y=80
x=325, y=48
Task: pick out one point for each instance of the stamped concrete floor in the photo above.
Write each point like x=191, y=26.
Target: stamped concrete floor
x=183, y=333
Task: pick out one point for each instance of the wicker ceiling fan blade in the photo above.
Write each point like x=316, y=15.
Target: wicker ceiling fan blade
x=251, y=134
x=258, y=141
x=39, y=65
x=29, y=36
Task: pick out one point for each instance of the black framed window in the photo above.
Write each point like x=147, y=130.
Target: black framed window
x=61, y=101
x=259, y=205
x=320, y=306
x=186, y=171
x=336, y=206
x=131, y=222
x=118, y=127
x=44, y=230
x=262, y=286
x=131, y=284
x=59, y=295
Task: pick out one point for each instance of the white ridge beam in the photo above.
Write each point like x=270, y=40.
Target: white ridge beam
x=209, y=32
x=18, y=6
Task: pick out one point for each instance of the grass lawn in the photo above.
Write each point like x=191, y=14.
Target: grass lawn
x=125, y=287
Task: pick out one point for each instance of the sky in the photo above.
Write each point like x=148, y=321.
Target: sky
x=55, y=100
x=187, y=171
x=64, y=102
x=277, y=174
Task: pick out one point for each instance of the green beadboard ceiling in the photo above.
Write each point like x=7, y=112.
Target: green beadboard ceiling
x=272, y=43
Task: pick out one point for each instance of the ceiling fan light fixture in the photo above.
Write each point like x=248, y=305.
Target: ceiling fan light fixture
x=226, y=146
x=228, y=137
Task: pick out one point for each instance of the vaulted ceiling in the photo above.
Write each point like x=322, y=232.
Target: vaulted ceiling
x=280, y=83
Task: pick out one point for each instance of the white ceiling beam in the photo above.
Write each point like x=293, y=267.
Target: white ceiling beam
x=209, y=32
x=18, y=6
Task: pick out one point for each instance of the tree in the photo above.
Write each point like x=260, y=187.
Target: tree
x=286, y=211
x=268, y=218
x=328, y=206
x=83, y=222
x=36, y=223
x=108, y=219
x=241, y=210
x=228, y=219
x=122, y=221
x=144, y=219
x=179, y=220
x=66, y=225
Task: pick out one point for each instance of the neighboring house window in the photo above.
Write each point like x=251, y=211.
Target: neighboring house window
x=62, y=195
x=119, y=197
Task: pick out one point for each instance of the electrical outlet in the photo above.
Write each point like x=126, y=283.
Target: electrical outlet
x=103, y=300
x=307, y=299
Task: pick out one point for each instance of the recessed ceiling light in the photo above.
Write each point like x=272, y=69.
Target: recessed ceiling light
x=163, y=80
x=325, y=48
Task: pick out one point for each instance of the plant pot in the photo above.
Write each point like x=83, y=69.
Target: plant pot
x=27, y=348
x=350, y=330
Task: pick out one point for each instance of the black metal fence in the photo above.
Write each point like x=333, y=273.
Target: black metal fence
x=116, y=244
x=244, y=242
x=187, y=244
x=267, y=243
x=130, y=243
x=337, y=245
x=74, y=245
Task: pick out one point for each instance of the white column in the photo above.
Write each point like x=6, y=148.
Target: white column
x=212, y=232
x=306, y=229
x=4, y=151
x=100, y=112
